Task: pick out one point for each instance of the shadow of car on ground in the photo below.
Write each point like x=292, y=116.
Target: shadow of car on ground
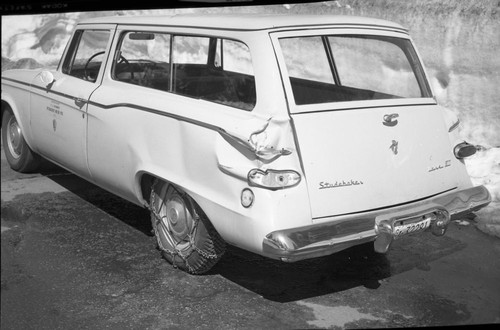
x=278, y=281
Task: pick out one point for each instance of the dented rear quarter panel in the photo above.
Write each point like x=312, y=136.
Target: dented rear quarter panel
x=178, y=139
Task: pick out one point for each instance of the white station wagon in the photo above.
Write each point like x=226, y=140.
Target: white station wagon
x=289, y=136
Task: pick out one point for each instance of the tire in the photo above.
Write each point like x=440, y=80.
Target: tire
x=19, y=155
x=184, y=235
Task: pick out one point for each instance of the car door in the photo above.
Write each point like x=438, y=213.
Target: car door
x=59, y=108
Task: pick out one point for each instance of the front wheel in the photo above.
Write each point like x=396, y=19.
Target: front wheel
x=19, y=155
x=185, y=236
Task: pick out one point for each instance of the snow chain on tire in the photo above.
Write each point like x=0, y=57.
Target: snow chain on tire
x=175, y=251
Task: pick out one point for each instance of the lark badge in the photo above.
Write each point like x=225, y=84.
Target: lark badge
x=439, y=166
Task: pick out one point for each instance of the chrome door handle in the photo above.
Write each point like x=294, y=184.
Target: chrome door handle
x=80, y=102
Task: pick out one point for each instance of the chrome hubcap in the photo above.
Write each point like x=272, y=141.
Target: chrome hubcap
x=14, y=138
x=176, y=222
x=178, y=219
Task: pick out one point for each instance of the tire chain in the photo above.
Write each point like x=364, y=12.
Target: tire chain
x=176, y=252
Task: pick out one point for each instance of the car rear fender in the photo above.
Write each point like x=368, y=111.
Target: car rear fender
x=217, y=213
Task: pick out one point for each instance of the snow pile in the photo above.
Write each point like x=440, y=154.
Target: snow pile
x=484, y=169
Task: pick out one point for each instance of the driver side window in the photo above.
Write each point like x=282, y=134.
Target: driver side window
x=85, y=55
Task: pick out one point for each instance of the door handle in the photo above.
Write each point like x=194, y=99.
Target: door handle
x=80, y=102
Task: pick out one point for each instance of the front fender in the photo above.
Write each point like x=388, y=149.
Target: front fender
x=21, y=112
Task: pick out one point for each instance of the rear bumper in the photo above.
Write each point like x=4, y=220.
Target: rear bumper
x=343, y=232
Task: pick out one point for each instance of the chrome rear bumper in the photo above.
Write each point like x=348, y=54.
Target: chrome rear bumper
x=343, y=232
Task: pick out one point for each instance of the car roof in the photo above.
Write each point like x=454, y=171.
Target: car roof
x=248, y=22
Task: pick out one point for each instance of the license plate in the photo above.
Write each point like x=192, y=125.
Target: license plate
x=405, y=227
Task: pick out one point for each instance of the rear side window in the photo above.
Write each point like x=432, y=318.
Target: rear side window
x=208, y=68
x=191, y=50
x=144, y=60
x=352, y=68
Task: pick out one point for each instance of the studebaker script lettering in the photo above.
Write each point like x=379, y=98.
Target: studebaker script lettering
x=339, y=184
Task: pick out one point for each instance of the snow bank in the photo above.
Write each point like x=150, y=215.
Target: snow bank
x=484, y=169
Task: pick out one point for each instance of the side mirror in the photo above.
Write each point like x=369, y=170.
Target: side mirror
x=47, y=78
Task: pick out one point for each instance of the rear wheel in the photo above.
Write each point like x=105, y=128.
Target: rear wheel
x=19, y=155
x=185, y=236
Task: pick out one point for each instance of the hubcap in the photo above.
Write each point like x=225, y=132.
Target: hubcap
x=176, y=222
x=14, y=138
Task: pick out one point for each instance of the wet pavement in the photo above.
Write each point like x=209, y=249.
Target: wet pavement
x=76, y=256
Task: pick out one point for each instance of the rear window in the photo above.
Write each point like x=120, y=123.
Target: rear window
x=352, y=68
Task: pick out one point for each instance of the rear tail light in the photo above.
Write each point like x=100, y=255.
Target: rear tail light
x=273, y=179
x=464, y=149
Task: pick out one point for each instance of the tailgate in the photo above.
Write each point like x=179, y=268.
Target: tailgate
x=353, y=162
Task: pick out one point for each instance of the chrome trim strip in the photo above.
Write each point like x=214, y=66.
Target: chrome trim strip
x=133, y=106
x=161, y=113
x=454, y=126
x=363, y=107
x=45, y=89
x=386, y=207
x=346, y=231
x=17, y=81
x=333, y=25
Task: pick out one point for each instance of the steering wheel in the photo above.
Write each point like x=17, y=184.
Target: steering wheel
x=85, y=69
x=121, y=60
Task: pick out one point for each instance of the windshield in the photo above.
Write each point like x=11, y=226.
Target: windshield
x=352, y=68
